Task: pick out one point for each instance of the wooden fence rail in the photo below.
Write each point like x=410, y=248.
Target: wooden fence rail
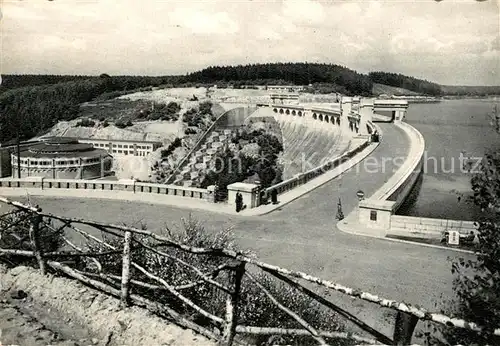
x=227, y=327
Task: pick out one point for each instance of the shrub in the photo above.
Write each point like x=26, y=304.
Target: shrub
x=18, y=238
x=85, y=123
x=190, y=131
x=206, y=108
x=105, y=123
x=171, y=147
x=123, y=123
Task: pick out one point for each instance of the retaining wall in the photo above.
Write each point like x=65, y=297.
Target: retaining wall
x=429, y=228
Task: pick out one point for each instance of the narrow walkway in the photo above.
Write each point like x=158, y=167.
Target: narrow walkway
x=302, y=235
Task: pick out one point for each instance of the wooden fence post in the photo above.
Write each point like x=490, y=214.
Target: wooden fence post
x=403, y=329
x=124, y=299
x=34, y=233
x=235, y=278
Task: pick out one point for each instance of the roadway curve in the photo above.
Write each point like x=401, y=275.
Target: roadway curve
x=303, y=235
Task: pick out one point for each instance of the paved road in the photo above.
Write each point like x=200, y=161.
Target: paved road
x=302, y=235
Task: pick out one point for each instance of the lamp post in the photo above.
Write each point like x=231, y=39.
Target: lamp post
x=361, y=196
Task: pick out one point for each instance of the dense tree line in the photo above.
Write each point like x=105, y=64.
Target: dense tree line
x=406, y=82
x=292, y=73
x=118, y=82
x=458, y=90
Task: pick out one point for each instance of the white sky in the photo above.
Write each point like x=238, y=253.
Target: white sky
x=449, y=42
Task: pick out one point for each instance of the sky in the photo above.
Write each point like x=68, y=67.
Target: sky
x=454, y=42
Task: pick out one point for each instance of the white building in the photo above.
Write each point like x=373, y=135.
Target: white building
x=123, y=147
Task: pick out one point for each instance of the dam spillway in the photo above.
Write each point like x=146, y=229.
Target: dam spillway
x=307, y=143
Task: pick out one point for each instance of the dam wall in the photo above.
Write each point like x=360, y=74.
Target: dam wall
x=376, y=211
x=377, y=214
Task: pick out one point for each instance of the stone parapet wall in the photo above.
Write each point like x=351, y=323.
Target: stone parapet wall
x=104, y=185
x=407, y=171
x=376, y=212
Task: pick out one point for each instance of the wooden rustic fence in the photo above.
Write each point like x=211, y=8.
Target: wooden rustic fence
x=236, y=265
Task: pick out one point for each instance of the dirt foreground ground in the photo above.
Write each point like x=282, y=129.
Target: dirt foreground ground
x=38, y=310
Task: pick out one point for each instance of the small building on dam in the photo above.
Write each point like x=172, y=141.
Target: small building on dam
x=56, y=158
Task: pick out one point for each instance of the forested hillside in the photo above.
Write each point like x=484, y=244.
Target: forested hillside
x=19, y=81
x=118, y=82
x=349, y=82
x=31, y=104
x=28, y=111
x=401, y=81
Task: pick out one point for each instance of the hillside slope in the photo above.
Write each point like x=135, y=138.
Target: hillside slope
x=379, y=89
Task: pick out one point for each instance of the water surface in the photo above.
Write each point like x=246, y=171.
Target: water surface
x=450, y=128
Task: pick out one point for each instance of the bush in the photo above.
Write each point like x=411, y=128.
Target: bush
x=18, y=238
x=206, y=108
x=477, y=281
x=190, y=131
x=105, y=123
x=170, y=149
x=161, y=111
x=85, y=123
x=254, y=308
x=123, y=123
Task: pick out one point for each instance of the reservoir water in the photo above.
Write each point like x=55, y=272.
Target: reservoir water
x=450, y=128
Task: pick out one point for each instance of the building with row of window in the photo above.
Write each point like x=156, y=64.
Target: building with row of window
x=123, y=147
x=60, y=158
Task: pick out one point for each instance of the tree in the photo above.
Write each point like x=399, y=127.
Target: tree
x=477, y=281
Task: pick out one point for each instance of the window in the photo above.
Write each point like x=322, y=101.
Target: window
x=373, y=215
x=119, y=145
